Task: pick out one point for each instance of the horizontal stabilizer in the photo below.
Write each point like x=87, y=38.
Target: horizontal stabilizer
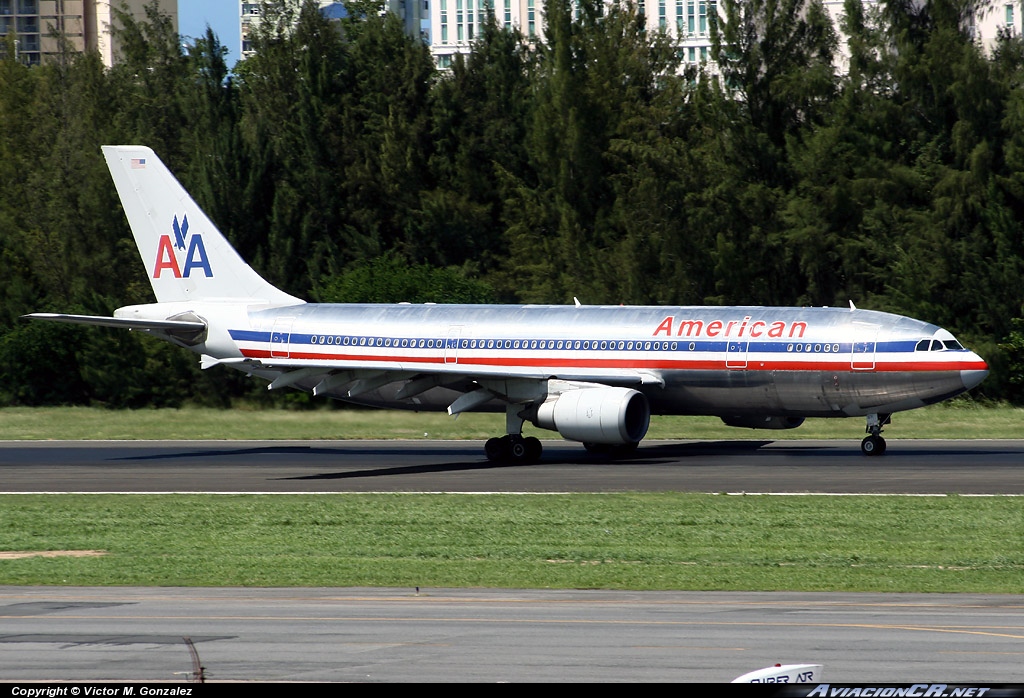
x=168, y=326
x=206, y=361
x=187, y=332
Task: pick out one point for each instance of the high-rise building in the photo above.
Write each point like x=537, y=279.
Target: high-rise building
x=454, y=24
x=85, y=25
x=413, y=13
x=450, y=27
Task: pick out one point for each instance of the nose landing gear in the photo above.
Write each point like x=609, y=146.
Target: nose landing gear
x=873, y=444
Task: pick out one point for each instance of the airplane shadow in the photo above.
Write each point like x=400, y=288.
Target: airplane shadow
x=455, y=459
x=559, y=454
x=228, y=452
x=656, y=455
x=392, y=471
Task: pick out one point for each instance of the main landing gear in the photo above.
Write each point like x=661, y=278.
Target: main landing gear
x=513, y=447
x=873, y=444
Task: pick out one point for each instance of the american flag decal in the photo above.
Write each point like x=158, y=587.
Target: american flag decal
x=138, y=163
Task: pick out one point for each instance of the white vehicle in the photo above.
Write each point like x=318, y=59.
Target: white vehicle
x=594, y=374
x=783, y=673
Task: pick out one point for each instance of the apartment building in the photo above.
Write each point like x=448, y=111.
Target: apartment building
x=85, y=24
x=453, y=24
x=413, y=14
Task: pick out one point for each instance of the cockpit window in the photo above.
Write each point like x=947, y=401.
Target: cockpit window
x=938, y=345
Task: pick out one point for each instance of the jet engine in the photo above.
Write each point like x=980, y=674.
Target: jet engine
x=763, y=422
x=597, y=415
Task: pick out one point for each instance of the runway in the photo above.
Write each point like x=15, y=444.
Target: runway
x=909, y=467
x=494, y=635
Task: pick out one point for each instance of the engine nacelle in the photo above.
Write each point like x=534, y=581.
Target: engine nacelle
x=763, y=422
x=597, y=415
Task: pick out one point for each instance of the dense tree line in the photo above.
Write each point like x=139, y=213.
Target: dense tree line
x=594, y=164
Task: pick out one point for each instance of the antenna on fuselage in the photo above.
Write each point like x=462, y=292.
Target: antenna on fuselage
x=852, y=306
x=577, y=302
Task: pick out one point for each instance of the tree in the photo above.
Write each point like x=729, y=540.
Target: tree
x=479, y=114
x=776, y=85
x=391, y=279
x=776, y=61
x=600, y=80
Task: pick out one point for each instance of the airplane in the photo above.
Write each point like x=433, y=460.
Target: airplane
x=593, y=374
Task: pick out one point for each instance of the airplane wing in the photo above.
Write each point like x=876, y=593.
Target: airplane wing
x=478, y=383
x=610, y=376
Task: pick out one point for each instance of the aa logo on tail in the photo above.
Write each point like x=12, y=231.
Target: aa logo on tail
x=195, y=257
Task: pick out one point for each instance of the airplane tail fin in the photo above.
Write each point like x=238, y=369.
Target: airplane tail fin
x=186, y=257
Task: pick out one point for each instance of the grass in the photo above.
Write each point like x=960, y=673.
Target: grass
x=950, y=420
x=617, y=541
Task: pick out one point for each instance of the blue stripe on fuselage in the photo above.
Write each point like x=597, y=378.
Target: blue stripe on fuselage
x=530, y=344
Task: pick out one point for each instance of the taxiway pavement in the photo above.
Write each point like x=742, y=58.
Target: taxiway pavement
x=494, y=635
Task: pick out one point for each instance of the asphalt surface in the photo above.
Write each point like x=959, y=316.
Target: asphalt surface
x=908, y=467
x=476, y=635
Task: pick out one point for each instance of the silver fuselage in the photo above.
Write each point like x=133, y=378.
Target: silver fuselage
x=801, y=362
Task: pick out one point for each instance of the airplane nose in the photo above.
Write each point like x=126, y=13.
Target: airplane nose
x=973, y=377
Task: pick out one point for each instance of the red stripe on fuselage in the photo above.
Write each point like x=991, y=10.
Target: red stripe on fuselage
x=665, y=364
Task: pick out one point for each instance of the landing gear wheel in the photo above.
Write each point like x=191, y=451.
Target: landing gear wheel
x=513, y=449
x=873, y=445
x=517, y=449
x=533, y=448
x=494, y=449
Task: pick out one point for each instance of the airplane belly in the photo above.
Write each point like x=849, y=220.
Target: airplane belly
x=895, y=391
x=802, y=393
x=858, y=393
x=713, y=392
x=813, y=393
